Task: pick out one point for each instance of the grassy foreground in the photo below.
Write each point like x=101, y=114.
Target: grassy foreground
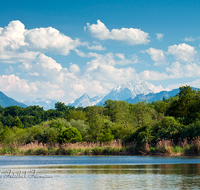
x=162, y=148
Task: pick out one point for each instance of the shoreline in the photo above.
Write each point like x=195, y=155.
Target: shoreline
x=97, y=151
x=163, y=148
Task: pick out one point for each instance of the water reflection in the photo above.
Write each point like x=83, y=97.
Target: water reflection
x=149, y=176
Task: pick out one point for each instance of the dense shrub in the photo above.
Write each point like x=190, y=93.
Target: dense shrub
x=69, y=135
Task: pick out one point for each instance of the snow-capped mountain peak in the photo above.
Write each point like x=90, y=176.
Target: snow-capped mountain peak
x=127, y=90
x=85, y=101
x=133, y=87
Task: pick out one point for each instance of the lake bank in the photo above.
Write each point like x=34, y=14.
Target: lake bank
x=163, y=148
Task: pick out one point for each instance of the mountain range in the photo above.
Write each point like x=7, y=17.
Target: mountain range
x=127, y=90
x=46, y=104
x=153, y=96
x=85, y=101
x=5, y=101
x=131, y=92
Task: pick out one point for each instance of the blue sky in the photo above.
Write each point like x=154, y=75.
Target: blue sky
x=63, y=49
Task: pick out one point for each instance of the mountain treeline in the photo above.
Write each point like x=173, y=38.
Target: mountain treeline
x=176, y=118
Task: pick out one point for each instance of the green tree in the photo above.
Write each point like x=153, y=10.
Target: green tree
x=75, y=115
x=169, y=128
x=141, y=114
x=17, y=123
x=180, y=107
x=70, y=135
x=48, y=135
x=106, y=131
x=95, y=128
x=81, y=126
x=60, y=106
x=118, y=111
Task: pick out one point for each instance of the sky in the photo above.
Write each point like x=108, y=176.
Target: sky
x=62, y=49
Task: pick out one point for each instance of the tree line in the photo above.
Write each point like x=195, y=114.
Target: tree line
x=176, y=118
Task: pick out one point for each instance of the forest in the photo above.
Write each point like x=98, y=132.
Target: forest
x=142, y=127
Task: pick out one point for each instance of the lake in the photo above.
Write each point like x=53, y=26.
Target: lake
x=99, y=172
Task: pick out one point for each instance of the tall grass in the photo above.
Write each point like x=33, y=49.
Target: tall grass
x=86, y=148
x=163, y=147
x=169, y=148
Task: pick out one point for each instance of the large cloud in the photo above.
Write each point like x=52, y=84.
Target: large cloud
x=182, y=52
x=103, y=68
x=15, y=37
x=15, y=57
x=48, y=63
x=113, y=74
x=152, y=75
x=44, y=67
x=12, y=83
x=132, y=36
x=50, y=39
x=12, y=36
x=179, y=70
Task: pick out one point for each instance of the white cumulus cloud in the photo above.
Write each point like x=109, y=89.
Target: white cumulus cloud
x=182, y=52
x=74, y=68
x=47, y=62
x=15, y=37
x=12, y=83
x=132, y=36
x=12, y=36
x=50, y=39
x=179, y=70
x=152, y=75
x=157, y=55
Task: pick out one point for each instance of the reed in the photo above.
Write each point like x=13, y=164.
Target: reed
x=79, y=148
x=163, y=147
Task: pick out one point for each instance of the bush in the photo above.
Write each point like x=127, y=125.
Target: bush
x=30, y=152
x=6, y=150
x=177, y=149
x=41, y=151
x=58, y=151
x=69, y=135
x=107, y=151
x=87, y=151
x=153, y=150
x=115, y=151
x=191, y=149
x=97, y=151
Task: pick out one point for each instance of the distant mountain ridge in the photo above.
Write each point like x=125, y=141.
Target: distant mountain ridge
x=127, y=90
x=122, y=92
x=5, y=101
x=131, y=92
x=153, y=96
x=85, y=101
x=46, y=104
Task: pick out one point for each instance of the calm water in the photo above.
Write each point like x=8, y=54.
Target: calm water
x=98, y=172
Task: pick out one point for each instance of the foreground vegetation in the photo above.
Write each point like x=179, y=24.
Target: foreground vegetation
x=170, y=126
x=162, y=148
